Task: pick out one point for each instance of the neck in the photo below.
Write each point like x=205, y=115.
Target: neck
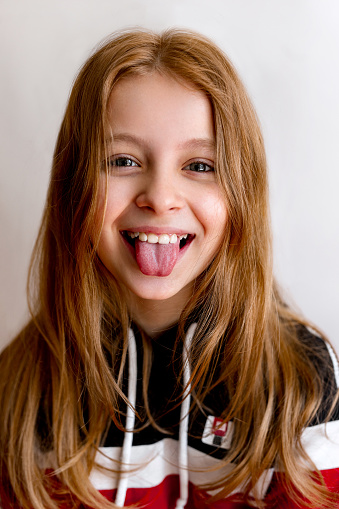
x=155, y=316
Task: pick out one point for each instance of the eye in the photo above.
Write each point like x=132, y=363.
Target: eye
x=199, y=167
x=120, y=162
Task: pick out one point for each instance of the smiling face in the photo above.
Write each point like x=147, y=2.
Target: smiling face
x=165, y=216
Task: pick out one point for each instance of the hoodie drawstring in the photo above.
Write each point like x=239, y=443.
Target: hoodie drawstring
x=184, y=418
x=130, y=419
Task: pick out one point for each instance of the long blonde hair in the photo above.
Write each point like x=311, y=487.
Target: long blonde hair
x=68, y=361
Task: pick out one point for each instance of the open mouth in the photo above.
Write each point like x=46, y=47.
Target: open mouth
x=152, y=238
x=156, y=254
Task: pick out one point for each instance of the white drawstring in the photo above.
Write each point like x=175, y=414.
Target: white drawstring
x=184, y=418
x=130, y=418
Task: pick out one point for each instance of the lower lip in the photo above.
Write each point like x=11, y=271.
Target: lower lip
x=131, y=249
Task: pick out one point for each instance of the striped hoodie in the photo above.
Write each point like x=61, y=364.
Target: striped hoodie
x=165, y=468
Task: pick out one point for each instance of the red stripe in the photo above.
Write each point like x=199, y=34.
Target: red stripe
x=165, y=495
x=331, y=478
x=278, y=498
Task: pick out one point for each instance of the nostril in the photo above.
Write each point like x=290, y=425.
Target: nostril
x=159, y=198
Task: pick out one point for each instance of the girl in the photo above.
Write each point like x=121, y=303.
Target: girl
x=161, y=366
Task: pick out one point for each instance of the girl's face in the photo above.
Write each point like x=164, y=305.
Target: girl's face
x=161, y=188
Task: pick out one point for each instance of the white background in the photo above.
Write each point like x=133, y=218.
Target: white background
x=287, y=53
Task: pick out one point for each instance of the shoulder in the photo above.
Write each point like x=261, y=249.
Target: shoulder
x=319, y=439
x=324, y=359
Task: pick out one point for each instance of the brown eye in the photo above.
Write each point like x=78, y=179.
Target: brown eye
x=121, y=162
x=199, y=167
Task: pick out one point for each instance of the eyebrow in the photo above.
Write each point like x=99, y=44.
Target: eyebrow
x=207, y=143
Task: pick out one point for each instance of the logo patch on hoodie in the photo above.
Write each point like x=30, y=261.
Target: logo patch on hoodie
x=218, y=433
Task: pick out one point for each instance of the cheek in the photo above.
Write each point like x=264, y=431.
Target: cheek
x=115, y=206
x=109, y=202
x=214, y=214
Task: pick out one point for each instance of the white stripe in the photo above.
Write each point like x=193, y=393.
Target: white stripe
x=321, y=443
x=153, y=463
x=334, y=362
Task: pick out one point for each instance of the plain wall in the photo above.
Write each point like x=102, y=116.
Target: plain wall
x=286, y=52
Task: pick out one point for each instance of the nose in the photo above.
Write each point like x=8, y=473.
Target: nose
x=160, y=193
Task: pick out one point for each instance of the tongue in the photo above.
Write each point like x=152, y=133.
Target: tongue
x=156, y=259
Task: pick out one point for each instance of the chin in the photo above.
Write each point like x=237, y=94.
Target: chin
x=154, y=293
x=157, y=289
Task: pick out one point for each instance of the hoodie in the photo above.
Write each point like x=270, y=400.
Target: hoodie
x=164, y=468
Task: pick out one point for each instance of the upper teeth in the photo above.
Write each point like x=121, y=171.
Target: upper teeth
x=152, y=238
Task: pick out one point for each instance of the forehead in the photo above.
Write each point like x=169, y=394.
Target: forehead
x=159, y=107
